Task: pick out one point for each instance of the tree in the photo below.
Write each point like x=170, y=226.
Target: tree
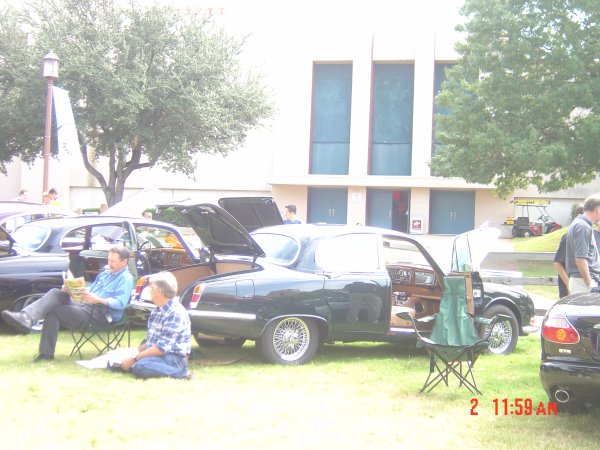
x=148, y=86
x=524, y=98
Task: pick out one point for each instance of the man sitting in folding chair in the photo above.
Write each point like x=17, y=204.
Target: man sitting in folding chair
x=454, y=344
x=103, y=304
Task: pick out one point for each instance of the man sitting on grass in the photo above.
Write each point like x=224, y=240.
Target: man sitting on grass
x=167, y=347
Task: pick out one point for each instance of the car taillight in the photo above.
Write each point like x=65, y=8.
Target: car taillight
x=139, y=286
x=196, y=296
x=557, y=328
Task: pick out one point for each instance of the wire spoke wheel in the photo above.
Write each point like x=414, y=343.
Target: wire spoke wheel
x=291, y=338
x=500, y=336
x=504, y=334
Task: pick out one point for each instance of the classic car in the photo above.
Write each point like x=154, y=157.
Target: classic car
x=34, y=257
x=570, y=361
x=14, y=214
x=293, y=287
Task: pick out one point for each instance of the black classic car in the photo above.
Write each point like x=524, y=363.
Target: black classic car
x=14, y=214
x=292, y=287
x=34, y=257
x=570, y=365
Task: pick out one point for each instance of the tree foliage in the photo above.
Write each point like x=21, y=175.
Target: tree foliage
x=148, y=85
x=524, y=98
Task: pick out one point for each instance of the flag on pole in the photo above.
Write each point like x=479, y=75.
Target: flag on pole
x=65, y=123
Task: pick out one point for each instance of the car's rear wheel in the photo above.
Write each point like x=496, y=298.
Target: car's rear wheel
x=291, y=340
x=503, y=336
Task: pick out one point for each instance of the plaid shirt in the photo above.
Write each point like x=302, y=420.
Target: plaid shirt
x=169, y=329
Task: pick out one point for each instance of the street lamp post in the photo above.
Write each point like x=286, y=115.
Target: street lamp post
x=50, y=73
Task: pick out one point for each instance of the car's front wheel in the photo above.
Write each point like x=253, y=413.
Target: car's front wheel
x=504, y=334
x=291, y=340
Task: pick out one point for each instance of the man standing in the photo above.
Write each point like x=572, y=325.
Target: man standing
x=111, y=292
x=290, y=215
x=582, y=263
x=168, y=345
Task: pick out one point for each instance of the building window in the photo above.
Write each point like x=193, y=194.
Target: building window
x=439, y=78
x=391, y=144
x=330, y=134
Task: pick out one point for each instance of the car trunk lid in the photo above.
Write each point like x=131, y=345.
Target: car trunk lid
x=583, y=312
x=252, y=212
x=218, y=230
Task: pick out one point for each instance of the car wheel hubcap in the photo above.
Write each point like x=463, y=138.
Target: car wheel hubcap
x=290, y=339
x=500, y=337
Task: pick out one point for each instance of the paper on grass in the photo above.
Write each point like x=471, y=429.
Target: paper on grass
x=109, y=358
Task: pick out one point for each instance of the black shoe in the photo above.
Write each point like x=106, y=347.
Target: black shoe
x=18, y=321
x=42, y=357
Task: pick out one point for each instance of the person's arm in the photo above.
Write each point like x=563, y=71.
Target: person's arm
x=584, y=270
x=562, y=273
x=148, y=351
x=117, y=298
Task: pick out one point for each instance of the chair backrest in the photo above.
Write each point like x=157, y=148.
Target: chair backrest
x=453, y=325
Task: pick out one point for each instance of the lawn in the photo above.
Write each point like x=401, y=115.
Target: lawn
x=353, y=396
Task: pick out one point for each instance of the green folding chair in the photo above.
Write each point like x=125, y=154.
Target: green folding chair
x=102, y=337
x=454, y=344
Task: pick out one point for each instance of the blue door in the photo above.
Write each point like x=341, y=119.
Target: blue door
x=327, y=205
x=388, y=209
x=451, y=212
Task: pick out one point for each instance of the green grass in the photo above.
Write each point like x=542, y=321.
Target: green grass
x=352, y=396
x=545, y=243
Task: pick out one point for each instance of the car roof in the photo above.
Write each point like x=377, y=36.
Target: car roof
x=70, y=222
x=312, y=230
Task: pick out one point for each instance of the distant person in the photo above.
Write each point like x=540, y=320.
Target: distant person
x=290, y=215
x=54, y=201
x=46, y=198
x=559, y=260
x=582, y=263
x=22, y=197
x=103, y=207
x=167, y=348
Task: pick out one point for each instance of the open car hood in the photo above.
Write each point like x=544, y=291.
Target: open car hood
x=470, y=249
x=217, y=229
x=252, y=212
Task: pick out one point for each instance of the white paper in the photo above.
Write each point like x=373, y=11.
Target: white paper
x=112, y=357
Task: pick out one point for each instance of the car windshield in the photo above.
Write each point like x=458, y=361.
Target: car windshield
x=278, y=248
x=30, y=236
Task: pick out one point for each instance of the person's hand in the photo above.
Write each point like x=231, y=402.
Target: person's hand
x=90, y=298
x=127, y=363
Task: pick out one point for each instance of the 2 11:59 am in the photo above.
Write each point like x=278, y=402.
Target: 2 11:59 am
x=517, y=407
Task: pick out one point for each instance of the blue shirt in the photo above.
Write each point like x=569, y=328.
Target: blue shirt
x=169, y=329
x=115, y=288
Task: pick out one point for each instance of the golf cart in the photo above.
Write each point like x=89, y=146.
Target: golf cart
x=523, y=226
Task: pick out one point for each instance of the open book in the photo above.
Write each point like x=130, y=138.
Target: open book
x=74, y=286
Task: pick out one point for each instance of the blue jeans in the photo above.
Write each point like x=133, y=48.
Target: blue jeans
x=167, y=365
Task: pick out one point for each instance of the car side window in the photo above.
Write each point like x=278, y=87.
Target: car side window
x=349, y=253
x=149, y=237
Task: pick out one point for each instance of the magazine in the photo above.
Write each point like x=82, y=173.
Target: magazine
x=75, y=287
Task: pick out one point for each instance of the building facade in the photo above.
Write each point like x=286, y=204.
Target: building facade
x=353, y=85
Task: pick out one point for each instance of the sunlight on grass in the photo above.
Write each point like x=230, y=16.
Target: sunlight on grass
x=352, y=396
x=545, y=243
